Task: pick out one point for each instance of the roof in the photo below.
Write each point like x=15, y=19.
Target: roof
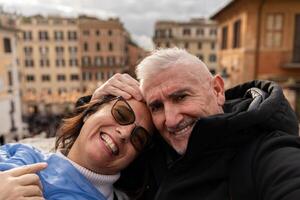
x=227, y=6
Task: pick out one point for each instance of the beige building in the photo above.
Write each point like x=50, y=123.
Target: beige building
x=260, y=39
x=49, y=58
x=103, y=50
x=10, y=104
x=61, y=59
x=198, y=36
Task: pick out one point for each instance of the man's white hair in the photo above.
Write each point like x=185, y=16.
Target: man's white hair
x=161, y=59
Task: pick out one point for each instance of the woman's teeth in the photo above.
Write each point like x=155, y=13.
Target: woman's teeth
x=110, y=143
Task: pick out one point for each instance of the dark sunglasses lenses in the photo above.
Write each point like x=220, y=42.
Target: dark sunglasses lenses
x=122, y=113
x=140, y=138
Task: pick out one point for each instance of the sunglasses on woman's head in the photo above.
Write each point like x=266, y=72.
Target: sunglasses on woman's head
x=124, y=115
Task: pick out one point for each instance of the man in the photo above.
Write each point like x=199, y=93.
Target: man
x=209, y=148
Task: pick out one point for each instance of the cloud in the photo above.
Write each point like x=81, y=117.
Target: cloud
x=143, y=41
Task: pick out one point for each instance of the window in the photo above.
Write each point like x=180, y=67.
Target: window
x=111, y=60
x=44, y=62
x=73, y=62
x=98, y=61
x=86, y=61
x=58, y=35
x=61, y=91
x=98, y=76
x=43, y=35
x=7, y=45
x=186, y=45
x=44, y=51
x=200, y=31
x=110, y=46
x=74, y=77
x=45, y=78
x=10, y=78
x=224, y=37
x=30, y=78
x=73, y=50
x=212, y=45
x=97, y=32
x=186, y=31
x=110, y=32
x=28, y=51
x=60, y=62
x=85, y=46
x=212, y=32
x=59, y=50
x=27, y=35
x=61, y=77
x=199, y=45
x=98, y=46
x=236, y=40
x=72, y=35
x=212, y=58
x=29, y=63
x=274, y=30
x=296, y=50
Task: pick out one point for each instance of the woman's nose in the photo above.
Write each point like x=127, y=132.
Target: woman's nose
x=124, y=131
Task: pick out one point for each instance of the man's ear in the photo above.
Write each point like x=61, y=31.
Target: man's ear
x=218, y=85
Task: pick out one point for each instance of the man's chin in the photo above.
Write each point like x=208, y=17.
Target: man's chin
x=180, y=148
x=179, y=143
x=181, y=151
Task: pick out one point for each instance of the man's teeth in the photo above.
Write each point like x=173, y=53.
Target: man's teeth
x=182, y=131
x=110, y=143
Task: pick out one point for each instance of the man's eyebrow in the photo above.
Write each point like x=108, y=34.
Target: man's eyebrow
x=178, y=93
x=154, y=103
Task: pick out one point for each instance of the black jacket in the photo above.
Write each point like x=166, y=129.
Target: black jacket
x=239, y=155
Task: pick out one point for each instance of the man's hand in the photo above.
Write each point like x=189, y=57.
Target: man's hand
x=22, y=183
x=119, y=85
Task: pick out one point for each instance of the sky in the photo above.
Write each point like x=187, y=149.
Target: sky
x=138, y=16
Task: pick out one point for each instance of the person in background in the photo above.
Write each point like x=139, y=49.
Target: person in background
x=239, y=144
x=101, y=139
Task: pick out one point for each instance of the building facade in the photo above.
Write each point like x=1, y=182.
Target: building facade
x=102, y=50
x=49, y=58
x=198, y=36
x=10, y=103
x=261, y=40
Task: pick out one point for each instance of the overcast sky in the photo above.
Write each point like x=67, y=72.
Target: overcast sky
x=138, y=16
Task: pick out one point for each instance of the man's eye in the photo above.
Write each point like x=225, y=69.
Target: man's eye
x=155, y=108
x=179, y=97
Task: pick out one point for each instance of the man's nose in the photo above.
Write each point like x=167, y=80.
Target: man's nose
x=172, y=117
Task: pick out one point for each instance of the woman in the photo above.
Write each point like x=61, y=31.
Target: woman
x=95, y=145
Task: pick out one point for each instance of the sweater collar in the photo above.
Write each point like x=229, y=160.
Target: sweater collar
x=103, y=183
